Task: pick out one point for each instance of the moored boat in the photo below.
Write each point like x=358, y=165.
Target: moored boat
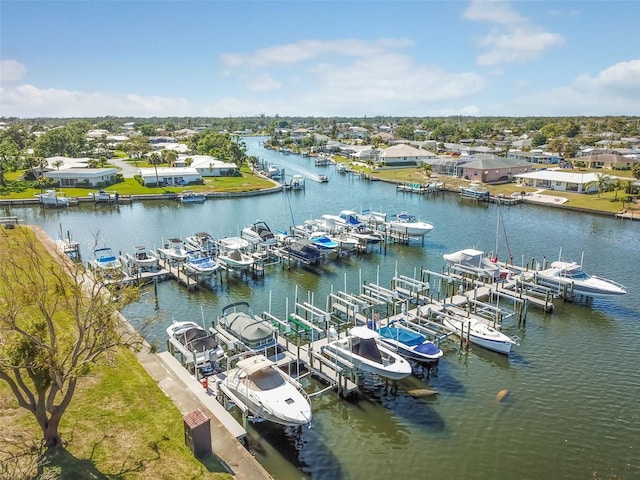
x=475, y=190
x=194, y=343
x=52, y=198
x=259, y=233
x=238, y=321
x=175, y=250
x=189, y=196
x=200, y=264
x=479, y=333
x=409, y=343
x=233, y=253
x=142, y=258
x=410, y=225
x=364, y=349
x=476, y=262
x=268, y=392
x=570, y=278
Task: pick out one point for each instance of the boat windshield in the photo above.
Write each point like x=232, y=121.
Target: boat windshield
x=266, y=379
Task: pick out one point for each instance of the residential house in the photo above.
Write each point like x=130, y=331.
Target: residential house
x=609, y=161
x=208, y=166
x=404, y=155
x=84, y=176
x=533, y=156
x=494, y=169
x=563, y=181
x=170, y=176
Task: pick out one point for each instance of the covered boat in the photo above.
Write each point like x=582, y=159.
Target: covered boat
x=409, y=343
x=194, y=343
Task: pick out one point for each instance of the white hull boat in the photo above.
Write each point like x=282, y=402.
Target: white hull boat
x=364, y=349
x=175, y=249
x=203, y=242
x=479, y=333
x=476, y=262
x=194, y=343
x=268, y=392
x=107, y=265
x=142, y=258
x=52, y=198
x=410, y=225
x=571, y=277
x=232, y=252
x=201, y=264
x=259, y=233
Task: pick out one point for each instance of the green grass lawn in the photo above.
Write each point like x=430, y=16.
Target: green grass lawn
x=119, y=425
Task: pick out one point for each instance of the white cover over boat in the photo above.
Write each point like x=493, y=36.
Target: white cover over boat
x=476, y=261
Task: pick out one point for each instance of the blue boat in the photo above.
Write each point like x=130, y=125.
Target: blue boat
x=409, y=343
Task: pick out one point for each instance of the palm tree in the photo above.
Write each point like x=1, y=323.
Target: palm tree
x=601, y=182
x=155, y=159
x=170, y=156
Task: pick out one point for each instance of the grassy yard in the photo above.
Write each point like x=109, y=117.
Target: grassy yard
x=119, y=425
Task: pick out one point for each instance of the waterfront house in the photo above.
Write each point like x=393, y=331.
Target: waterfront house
x=403, y=155
x=494, y=169
x=169, y=176
x=533, y=156
x=83, y=176
x=609, y=161
x=208, y=166
x=563, y=181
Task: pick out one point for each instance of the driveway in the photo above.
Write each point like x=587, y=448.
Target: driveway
x=127, y=170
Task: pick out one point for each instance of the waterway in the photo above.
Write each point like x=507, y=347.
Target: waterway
x=574, y=383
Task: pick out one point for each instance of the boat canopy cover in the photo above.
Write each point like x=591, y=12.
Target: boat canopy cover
x=368, y=348
x=249, y=329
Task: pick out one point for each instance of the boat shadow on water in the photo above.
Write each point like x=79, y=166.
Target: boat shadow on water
x=302, y=448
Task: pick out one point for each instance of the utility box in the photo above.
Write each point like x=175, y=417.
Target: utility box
x=197, y=433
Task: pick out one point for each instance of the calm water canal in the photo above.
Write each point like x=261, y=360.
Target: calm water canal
x=574, y=382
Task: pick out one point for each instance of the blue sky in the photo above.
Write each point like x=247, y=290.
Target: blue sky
x=319, y=58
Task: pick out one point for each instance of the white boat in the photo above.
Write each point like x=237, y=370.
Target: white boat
x=475, y=190
x=479, y=333
x=267, y=392
x=233, y=253
x=53, y=199
x=200, y=264
x=189, y=196
x=409, y=343
x=175, y=249
x=107, y=265
x=194, y=343
x=476, y=262
x=323, y=241
x=364, y=349
x=259, y=233
x=103, y=196
x=202, y=242
x=346, y=243
x=410, y=225
x=297, y=182
x=570, y=278
x=238, y=321
x=142, y=258
x=274, y=171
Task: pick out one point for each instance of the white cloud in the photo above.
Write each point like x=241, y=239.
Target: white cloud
x=31, y=101
x=293, y=53
x=11, y=71
x=613, y=91
x=514, y=39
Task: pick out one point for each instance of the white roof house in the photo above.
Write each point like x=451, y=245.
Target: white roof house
x=209, y=166
x=170, y=176
x=563, y=181
x=72, y=176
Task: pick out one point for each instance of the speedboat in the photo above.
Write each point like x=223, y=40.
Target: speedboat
x=175, y=249
x=238, y=321
x=189, y=196
x=410, y=225
x=53, y=198
x=142, y=258
x=346, y=243
x=232, y=252
x=476, y=262
x=194, y=343
x=479, y=333
x=409, y=343
x=259, y=233
x=297, y=182
x=268, y=392
x=203, y=242
x=364, y=348
x=201, y=264
x=571, y=277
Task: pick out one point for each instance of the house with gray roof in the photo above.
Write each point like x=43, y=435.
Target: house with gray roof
x=405, y=155
x=494, y=169
x=609, y=161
